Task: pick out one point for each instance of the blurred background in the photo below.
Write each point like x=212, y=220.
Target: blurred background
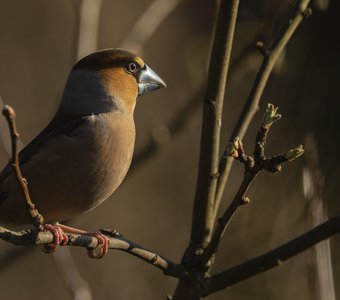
x=39, y=43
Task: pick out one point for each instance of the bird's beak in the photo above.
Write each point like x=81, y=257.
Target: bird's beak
x=149, y=81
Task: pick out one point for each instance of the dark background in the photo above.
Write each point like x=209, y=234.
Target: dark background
x=154, y=204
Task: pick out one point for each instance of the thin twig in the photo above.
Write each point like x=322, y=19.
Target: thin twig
x=117, y=242
x=36, y=218
x=270, y=57
x=5, y=139
x=273, y=258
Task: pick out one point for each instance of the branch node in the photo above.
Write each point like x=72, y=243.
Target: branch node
x=199, y=251
x=211, y=102
x=249, y=164
x=153, y=260
x=110, y=232
x=260, y=46
x=219, y=122
x=306, y=13
x=214, y=175
x=245, y=200
x=8, y=112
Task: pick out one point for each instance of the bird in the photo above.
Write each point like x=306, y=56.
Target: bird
x=81, y=157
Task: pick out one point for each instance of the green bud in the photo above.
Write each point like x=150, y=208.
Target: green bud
x=270, y=115
x=295, y=153
x=233, y=147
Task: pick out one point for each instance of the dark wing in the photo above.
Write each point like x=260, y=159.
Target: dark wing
x=58, y=126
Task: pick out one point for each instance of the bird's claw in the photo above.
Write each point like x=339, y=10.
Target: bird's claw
x=60, y=238
x=102, y=247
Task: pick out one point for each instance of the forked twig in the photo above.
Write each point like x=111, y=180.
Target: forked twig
x=252, y=166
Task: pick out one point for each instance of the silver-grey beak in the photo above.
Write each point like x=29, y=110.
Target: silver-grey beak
x=149, y=81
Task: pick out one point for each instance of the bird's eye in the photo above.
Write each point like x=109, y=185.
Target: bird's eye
x=132, y=67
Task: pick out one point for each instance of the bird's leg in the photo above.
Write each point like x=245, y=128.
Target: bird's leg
x=103, y=240
x=59, y=237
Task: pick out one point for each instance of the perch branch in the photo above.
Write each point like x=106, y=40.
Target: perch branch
x=117, y=242
x=252, y=166
x=36, y=218
x=273, y=258
x=270, y=56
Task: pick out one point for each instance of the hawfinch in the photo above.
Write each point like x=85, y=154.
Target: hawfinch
x=84, y=153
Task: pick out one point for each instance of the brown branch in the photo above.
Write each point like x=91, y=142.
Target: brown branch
x=202, y=218
x=270, y=56
x=273, y=258
x=117, y=242
x=36, y=218
x=202, y=221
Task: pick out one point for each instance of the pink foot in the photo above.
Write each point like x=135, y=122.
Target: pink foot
x=102, y=247
x=103, y=241
x=59, y=238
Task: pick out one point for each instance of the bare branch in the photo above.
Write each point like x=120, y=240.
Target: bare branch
x=202, y=218
x=117, y=242
x=36, y=218
x=270, y=57
x=202, y=221
x=273, y=258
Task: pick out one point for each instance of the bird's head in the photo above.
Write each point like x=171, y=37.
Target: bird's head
x=107, y=80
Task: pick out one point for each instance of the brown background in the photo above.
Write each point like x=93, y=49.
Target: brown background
x=153, y=205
